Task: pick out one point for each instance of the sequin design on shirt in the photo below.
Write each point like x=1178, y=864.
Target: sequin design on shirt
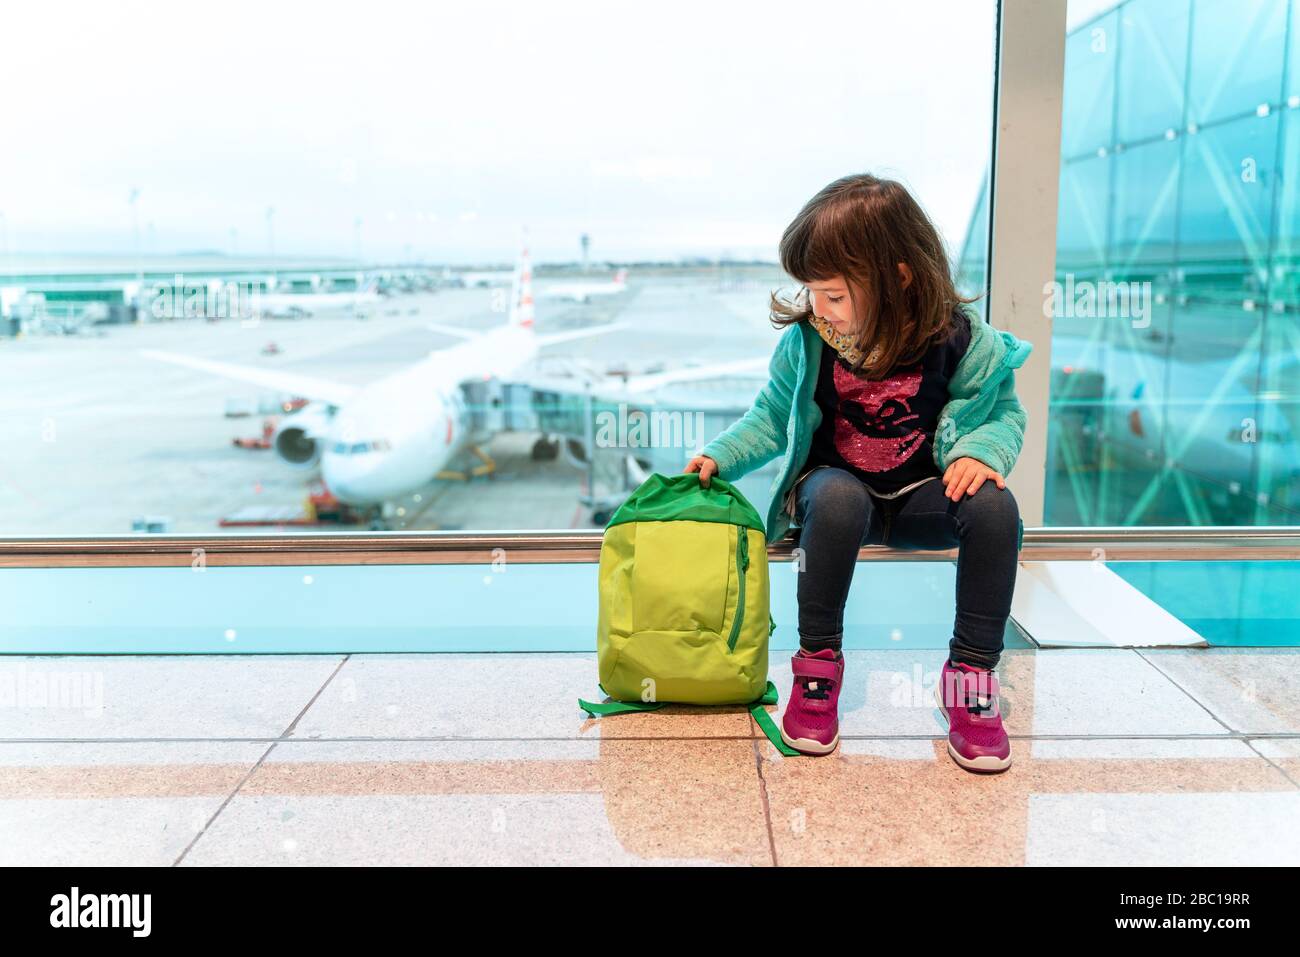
x=876, y=429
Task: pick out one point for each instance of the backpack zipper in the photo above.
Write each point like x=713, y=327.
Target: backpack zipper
x=742, y=565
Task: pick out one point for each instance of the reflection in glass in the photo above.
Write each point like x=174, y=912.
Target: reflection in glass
x=1175, y=384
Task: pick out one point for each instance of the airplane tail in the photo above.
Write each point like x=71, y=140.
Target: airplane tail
x=620, y=278
x=521, y=293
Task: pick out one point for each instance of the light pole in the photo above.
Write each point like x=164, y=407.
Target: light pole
x=270, y=238
x=133, y=199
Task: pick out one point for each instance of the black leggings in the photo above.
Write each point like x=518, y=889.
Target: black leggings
x=837, y=515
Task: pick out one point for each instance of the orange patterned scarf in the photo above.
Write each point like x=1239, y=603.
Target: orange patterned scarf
x=841, y=342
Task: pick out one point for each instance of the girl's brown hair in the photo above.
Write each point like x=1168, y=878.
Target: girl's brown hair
x=861, y=227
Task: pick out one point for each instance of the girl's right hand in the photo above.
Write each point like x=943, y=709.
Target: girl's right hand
x=705, y=466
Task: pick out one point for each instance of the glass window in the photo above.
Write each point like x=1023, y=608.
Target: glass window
x=972, y=269
x=1229, y=604
x=1146, y=206
x=1285, y=273
x=1153, y=59
x=1236, y=58
x=1090, y=98
x=292, y=231
x=1174, y=349
x=1226, y=213
x=1081, y=242
x=1292, y=90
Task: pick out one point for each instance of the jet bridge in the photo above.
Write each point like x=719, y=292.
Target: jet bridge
x=615, y=442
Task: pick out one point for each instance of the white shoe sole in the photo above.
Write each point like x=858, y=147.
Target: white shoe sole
x=810, y=746
x=984, y=763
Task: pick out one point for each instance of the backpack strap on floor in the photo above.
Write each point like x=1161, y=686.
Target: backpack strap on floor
x=765, y=722
x=758, y=712
x=617, y=707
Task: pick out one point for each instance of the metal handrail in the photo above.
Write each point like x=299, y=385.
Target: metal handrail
x=1059, y=543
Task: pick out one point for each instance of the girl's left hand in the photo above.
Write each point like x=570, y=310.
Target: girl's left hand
x=965, y=475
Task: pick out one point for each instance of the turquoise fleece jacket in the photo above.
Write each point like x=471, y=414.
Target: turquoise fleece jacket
x=983, y=418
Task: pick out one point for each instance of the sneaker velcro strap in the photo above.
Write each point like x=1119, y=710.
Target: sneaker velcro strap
x=814, y=668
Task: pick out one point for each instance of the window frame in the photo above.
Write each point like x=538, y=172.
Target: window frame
x=1023, y=184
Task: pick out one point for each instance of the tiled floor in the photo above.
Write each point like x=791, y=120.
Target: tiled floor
x=1121, y=757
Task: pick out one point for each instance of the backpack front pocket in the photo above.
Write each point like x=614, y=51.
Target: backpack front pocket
x=680, y=576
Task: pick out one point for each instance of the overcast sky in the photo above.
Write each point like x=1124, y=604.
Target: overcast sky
x=663, y=130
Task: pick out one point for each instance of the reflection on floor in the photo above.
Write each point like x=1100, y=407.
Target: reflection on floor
x=1188, y=756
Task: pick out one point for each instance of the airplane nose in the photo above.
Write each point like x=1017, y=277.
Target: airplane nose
x=352, y=479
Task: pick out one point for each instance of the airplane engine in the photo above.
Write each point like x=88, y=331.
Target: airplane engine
x=575, y=452
x=299, y=437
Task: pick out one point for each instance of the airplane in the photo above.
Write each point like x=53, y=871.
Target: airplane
x=587, y=291
x=391, y=437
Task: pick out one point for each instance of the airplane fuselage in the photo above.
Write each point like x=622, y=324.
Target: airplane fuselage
x=397, y=433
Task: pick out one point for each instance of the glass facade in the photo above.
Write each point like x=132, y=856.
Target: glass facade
x=276, y=295
x=1175, y=391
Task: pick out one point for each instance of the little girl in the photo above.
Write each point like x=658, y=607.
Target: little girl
x=896, y=413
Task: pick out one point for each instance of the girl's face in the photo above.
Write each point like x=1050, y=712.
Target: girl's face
x=831, y=301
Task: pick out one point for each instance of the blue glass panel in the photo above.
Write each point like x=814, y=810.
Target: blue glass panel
x=1089, y=95
x=1081, y=214
x=1240, y=604
x=1189, y=415
x=1212, y=410
x=1146, y=205
x=1293, y=54
x=1236, y=60
x=1107, y=420
x=1153, y=60
x=395, y=608
x=1286, y=242
x=1229, y=173
x=1276, y=486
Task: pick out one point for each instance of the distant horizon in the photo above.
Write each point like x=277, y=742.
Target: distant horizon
x=159, y=262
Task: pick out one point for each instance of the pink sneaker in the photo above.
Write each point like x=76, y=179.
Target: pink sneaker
x=811, y=723
x=968, y=698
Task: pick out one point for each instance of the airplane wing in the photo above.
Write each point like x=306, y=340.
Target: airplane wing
x=647, y=383
x=309, y=387
x=452, y=330
x=542, y=340
x=584, y=381
x=570, y=335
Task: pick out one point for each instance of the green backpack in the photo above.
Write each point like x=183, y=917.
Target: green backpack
x=683, y=613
